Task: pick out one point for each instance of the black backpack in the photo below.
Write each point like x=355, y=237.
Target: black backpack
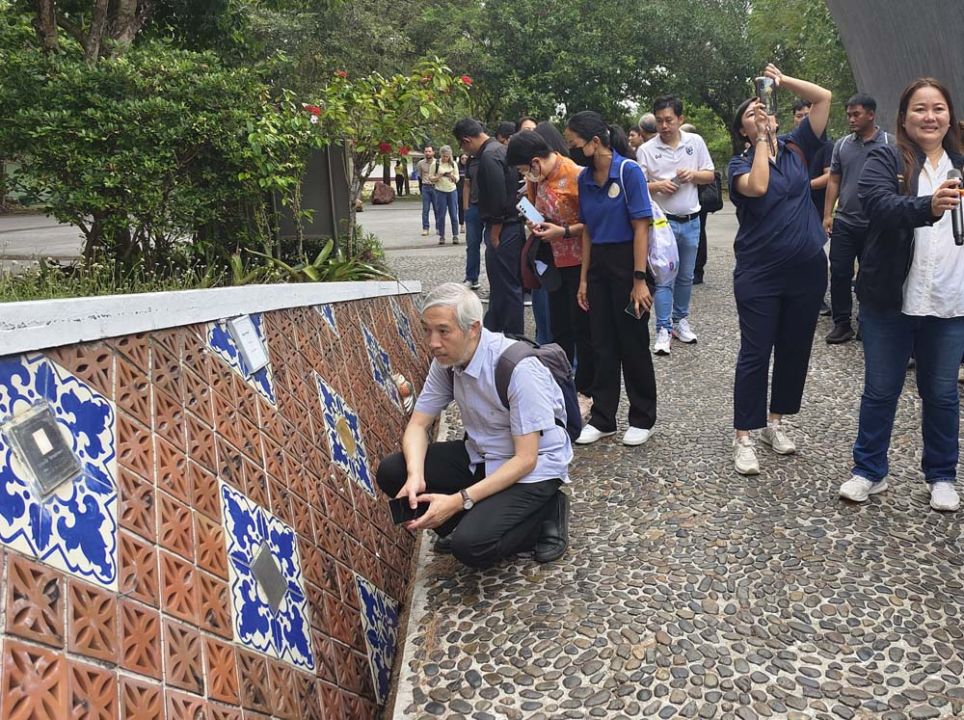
x=554, y=359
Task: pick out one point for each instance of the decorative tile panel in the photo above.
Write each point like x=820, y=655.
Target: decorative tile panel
x=343, y=429
x=74, y=528
x=404, y=326
x=221, y=342
x=379, y=614
x=381, y=366
x=283, y=634
x=328, y=313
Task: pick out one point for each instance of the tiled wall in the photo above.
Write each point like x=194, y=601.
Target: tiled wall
x=129, y=591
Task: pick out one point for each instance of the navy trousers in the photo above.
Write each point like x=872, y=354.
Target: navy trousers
x=504, y=270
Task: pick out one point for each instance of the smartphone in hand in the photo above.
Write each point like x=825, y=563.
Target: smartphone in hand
x=631, y=310
x=529, y=210
x=402, y=511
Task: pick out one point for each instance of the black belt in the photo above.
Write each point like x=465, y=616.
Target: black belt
x=683, y=218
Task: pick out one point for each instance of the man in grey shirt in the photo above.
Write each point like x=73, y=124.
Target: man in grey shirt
x=848, y=228
x=496, y=492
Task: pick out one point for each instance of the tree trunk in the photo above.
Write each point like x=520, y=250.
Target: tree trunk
x=299, y=220
x=95, y=36
x=128, y=19
x=45, y=23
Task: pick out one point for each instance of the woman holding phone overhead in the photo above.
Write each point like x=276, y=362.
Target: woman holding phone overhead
x=781, y=268
x=615, y=209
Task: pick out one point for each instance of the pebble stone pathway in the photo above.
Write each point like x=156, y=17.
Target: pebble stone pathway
x=691, y=592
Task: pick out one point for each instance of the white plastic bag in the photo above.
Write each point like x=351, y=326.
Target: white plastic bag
x=663, y=256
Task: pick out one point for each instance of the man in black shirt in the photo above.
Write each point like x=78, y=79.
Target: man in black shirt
x=503, y=234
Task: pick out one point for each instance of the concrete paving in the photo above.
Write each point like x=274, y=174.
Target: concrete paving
x=690, y=591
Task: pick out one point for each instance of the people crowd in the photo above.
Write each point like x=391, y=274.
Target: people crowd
x=571, y=217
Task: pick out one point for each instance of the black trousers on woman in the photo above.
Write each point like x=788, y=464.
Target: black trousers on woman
x=778, y=315
x=619, y=341
x=570, y=327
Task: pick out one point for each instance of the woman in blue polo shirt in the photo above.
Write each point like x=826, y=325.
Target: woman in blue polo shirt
x=781, y=268
x=615, y=209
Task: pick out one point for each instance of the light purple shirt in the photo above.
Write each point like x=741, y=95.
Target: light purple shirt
x=535, y=402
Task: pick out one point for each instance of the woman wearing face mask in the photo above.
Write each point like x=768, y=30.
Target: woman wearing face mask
x=781, y=268
x=911, y=291
x=445, y=175
x=553, y=187
x=614, y=206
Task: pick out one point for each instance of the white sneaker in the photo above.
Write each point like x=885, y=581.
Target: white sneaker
x=424, y=233
x=637, y=436
x=774, y=436
x=859, y=488
x=944, y=496
x=590, y=435
x=662, y=342
x=683, y=332
x=744, y=456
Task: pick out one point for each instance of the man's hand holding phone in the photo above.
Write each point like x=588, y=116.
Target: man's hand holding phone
x=440, y=508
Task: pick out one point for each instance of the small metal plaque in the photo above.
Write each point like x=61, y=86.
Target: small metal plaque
x=249, y=343
x=40, y=445
x=266, y=571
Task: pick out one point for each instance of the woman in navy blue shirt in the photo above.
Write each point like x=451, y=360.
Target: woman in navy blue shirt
x=614, y=207
x=781, y=268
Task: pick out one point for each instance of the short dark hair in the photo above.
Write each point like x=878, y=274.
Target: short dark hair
x=518, y=123
x=505, y=129
x=668, y=101
x=799, y=104
x=864, y=100
x=525, y=146
x=466, y=128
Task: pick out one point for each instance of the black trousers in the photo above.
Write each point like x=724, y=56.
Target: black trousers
x=701, y=250
x=619, y=341
x=570, y=327
x=503, y=524
x=846, y=246
x=504, y=270
x=778, y=315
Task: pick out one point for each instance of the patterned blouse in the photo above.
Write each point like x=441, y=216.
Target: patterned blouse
x=557, y=198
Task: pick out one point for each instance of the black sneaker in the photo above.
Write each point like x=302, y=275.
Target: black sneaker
x=554, y=535
x=443, y=545
x=824, y=309
x=841, y=333
x=697, y=278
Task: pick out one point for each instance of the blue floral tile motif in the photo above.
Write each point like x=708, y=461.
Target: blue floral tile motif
x=327, y=311
x=283, y=634
x=381, y=366
x=404, y=326
x=343, y=429
x=75, y=528
x=221, y=342
x=379, y=614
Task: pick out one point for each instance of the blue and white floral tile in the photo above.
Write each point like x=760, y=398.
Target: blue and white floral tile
x=284, y=634
x=221, y=342
x=381, y=366
x=379, y=615
x=343, y=430
x=327, y=311
x=404, y=326
x=74, y=528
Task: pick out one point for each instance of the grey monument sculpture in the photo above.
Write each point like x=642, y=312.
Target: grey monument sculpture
x=891, y=42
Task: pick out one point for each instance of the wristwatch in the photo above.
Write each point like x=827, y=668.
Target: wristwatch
x=467, y=502
x=639, y=274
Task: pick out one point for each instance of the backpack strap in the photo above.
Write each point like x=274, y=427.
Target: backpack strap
x=510, y=357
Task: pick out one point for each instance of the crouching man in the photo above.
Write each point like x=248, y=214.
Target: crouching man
x=498, y=491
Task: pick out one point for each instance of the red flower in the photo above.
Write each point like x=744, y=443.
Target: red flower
x=404, y=150
x=466, y=80
x=313, y=109
x=343, y=74
x=384, y=148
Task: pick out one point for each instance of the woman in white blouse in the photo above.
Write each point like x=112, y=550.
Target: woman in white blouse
x=911, y=290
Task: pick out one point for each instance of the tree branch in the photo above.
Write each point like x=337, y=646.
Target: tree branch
x=98, y=24
x=45, y=23
x=73, y=30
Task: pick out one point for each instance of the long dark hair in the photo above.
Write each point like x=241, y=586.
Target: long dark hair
x=908, y=148
x=553, y=138
x=589, y=124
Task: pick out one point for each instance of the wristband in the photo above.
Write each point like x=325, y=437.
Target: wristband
x=565, y=231
x=762, y=139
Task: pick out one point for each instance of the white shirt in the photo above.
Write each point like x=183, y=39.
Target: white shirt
x=660, y=162
x=935, y=284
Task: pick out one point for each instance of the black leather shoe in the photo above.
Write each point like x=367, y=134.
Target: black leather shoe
x=841, y=333
x=554, y=536
x=697, y=279
x=443, y=545
x=825, y=309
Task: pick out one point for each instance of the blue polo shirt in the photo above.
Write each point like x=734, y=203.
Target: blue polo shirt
x=608, y=210
x=782, y=227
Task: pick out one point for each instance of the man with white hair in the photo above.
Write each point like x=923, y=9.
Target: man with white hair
x=497, y=491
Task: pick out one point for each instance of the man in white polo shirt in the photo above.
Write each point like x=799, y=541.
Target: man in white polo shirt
x=675, y=162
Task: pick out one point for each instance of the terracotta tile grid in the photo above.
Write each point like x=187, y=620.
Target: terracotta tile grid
x=93, y=362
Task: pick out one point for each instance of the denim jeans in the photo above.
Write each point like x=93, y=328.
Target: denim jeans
x=446, y=202
x=672, y=302
x=473, y=243
x=937, y=344
x=540, y=311
x=428, y=202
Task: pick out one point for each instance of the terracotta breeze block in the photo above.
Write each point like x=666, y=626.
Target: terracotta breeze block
x=210, y=549
x=178, y=597
x=214, y=605
x=140, y=639
x=221, y=669
x=181, y=706
x=35, y=601
x=93, y=692
x=183, y=666
x=138, y=569
x=253, y=669
x=175, y=527
x=92, y=618
x=34, y=682
x=141, y=700
x=137, y=511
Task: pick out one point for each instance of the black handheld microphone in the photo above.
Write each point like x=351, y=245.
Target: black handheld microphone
x=957, y=214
